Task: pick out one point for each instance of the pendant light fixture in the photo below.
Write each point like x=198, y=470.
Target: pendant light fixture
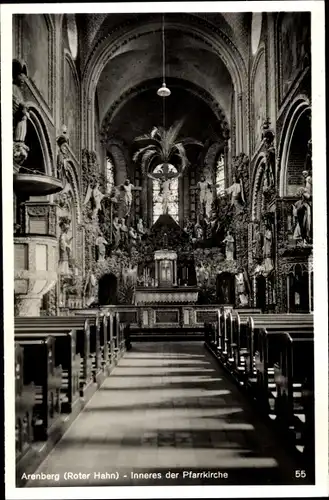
x=163, y=91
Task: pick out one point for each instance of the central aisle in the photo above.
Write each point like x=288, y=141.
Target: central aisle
x=167, y=407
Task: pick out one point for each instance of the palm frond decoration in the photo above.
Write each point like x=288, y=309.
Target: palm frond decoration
x=161, y=146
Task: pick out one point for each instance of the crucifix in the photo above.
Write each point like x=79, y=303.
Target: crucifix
x=128, y=187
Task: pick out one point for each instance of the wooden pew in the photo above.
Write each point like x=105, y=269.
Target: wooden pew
x=111, y=349
x=47, y=382
x=294, y=380
x=54, y=324
x=267, y=355
x=291, y=322
x=25, y=400
x=231, y=325
x=66, y=357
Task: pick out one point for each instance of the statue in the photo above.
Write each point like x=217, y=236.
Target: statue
x=204, y=186
x=140, y=228
x=308, y=184
x=236, y=192
x=268, y=250
x=133, y=236
x=124, y=232
x=198, y=230
x=63, y=153
x=21, y=126
x=208, y=200
x=64, y=247
x=165, y=194
x=229, y=250
x=128, y=187
x=90, y=290
x=241, y=289
x=116, y=228
x=188, y=228
x=302, y=215
x=257, y=242
x=101, y=246
x=202, y=273
x=96, y=196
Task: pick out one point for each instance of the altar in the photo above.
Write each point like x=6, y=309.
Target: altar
x=165, y=289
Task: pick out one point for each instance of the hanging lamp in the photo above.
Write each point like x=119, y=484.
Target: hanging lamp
x=163, y=91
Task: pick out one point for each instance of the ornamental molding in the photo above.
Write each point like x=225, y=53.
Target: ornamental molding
x=143, y=297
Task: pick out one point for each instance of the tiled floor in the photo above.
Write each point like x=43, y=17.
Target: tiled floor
x=167, y=407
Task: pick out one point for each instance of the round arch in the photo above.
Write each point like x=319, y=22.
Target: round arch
x=300, y=105
x=43, y=136
x=192, y=88
x=208, y=34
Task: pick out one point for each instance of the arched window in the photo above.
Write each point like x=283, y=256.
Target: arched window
x=109, y=174
x=220, y=176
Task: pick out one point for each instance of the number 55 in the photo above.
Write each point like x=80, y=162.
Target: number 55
x=300, y=474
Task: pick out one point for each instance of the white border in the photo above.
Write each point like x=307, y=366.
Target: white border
x=320, y=252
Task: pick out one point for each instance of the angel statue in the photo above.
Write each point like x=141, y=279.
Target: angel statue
x=96, y=196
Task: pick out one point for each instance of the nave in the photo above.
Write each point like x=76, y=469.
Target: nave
x=168, y=406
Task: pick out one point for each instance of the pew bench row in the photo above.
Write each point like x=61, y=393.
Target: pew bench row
x=271, y=356
x=59, y=364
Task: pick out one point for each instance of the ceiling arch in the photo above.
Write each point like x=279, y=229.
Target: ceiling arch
x=197, y=51
x=219, y=125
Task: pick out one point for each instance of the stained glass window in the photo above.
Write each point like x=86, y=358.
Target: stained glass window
x=220, y=176
x=109, y=175
x=160, y=189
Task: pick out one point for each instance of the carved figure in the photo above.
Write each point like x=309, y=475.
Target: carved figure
x=208, y=201
x=165, y=194
x=140, y=228
x=124, y=232
x=21, y=126
x=308, y=184
x=64, y=247
x=204, y=186
x=241, y=289
x=128, y=188
x=198, y=230
x=267, y=250
x=132, y=236
x=116, y=227
x=101, y=246
x=90, y=290
x=236, y=192
x=302, y=215
x=96, y=196
x=229, y=247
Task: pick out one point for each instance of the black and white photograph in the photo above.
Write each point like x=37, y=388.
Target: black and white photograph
x=164, y=242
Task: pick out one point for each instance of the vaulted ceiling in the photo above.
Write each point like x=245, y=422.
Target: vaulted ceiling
x=135, y=65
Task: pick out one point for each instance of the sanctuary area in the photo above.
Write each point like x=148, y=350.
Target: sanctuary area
x=163, y=248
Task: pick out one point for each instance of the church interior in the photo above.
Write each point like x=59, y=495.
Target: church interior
x=163, y=249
